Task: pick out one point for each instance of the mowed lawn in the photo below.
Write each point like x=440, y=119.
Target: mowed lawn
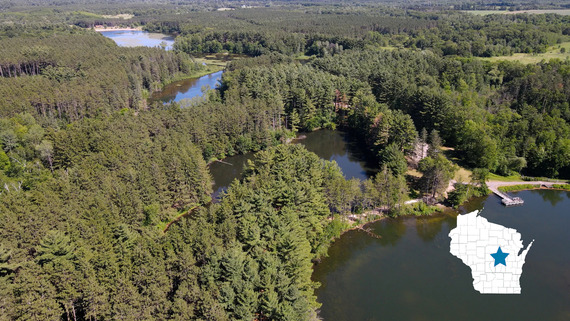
x=553, y=52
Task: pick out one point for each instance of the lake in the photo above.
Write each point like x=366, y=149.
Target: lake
x=409, y=273
x=139, y=38
x=327, y=144
x=187, y=88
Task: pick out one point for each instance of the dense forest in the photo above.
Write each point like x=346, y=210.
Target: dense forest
x=93, y=76
x=105, y=204
x=331, y=32
x=491, y=113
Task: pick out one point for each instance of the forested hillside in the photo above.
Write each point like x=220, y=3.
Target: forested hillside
x=91, y=76
x=503, y=117
x=105, y=202
x=326, y=32
x=84, y=242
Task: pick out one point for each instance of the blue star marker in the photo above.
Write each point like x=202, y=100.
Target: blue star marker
x=500, y=257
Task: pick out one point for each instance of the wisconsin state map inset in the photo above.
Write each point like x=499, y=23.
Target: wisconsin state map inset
x=491, y=251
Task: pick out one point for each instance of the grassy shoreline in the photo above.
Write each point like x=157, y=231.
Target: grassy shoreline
x=210, y=69
x=525, y=187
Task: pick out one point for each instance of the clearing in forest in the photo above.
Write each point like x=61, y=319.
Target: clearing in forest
x=560, y=51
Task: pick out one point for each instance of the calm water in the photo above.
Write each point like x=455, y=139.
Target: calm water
x=187, y=88
x=409, y=273
x=224, y=174
x=327, y=144
x=137, y=38
x=342, y=148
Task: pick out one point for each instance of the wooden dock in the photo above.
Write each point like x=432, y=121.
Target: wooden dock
x=511, y=201
x=507, y=200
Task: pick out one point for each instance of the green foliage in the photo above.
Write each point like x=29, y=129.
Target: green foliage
x=480, y=150
x=55, y=248
x=437, y=172
x=460, y=194
x=420, y=209
x=278, y=215
x=91, y=76
x=392, y=189
x=518, y=187
x=88, y=169
x=394, y=159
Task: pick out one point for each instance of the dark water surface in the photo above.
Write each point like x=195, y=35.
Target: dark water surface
x=342, y=148
x=224, y=174
x=138, y=38
x=409, y=273
x=327, y=144
x=187, y=88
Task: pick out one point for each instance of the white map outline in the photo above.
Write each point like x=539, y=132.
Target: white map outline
x=475, y=239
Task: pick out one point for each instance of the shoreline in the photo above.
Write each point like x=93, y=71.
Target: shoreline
x=524, y=185
x=381, y=216
x=196, y=75
x=443, y=208
x=117, y=29
x=537, y=188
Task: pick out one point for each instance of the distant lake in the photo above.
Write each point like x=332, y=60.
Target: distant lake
x=138, y=38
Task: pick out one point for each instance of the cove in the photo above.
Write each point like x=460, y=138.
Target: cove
x=409, y=274
x=138, y=38
x=341, y=147
x=327, y=144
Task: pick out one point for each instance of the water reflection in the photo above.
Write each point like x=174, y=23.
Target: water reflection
x=350, y=246
x=553, y=198
x=225, y=172
x=429, y=227
x=390, y=230
x=341, y=147
x=187, y=88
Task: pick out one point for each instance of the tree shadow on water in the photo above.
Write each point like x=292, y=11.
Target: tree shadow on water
x=552, y=197
x=359, y=152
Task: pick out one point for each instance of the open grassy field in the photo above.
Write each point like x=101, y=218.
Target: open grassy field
x=463, y=175
x=564, y=12
x=551, y=53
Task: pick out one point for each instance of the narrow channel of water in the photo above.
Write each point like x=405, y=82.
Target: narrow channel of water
x=187, y=88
